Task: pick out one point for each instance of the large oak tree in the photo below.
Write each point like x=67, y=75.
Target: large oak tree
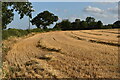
x=44, y=19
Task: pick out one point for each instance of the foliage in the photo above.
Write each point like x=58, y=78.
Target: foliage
x=76, y=24
x=64, y=25
x=77, y=20
x=99, y=25
x=35, y=30
x=57, y=26
x=106, y=27
x=13, y=32
x=44, y=19
x=90, y=23
x=19, y=32
x=83, y=25
x=90, y=19
x=116, y=24
x=8, y=8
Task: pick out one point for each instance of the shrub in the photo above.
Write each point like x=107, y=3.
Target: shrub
x=19, y=32
x=36, y=30
x=107, y=27
x=13, y=32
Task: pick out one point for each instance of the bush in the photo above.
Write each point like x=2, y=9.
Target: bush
x=36, y=30
x=19, y=32
x=13, y=32
x=107, y=27
x=5, y=34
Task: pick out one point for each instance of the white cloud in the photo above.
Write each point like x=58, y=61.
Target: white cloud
x=106, y=15
x=113, y=10
x=73, y=17
x=93, y=9
x=59, y=10
x=106, y=3
x=100, y=13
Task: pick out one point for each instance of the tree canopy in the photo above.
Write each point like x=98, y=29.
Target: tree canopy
x=44, y=19
x=99, y=24
x=90, y=23
x=116, y=24
x=8, y=8
x=90, y=19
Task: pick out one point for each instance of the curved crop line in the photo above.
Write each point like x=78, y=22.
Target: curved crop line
x=92, y=33
x=109, y=32
x=94, y=41
x=48, y=48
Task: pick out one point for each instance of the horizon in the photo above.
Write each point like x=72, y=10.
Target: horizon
x=103, y=11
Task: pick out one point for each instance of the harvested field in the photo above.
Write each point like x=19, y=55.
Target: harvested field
x=66, y=54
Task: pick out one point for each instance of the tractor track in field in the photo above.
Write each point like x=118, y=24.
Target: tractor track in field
x=93, y=40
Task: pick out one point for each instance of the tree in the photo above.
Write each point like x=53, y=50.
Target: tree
x=83, y=25
x=92, y=25
x=91, y=22
x=90, y=19
x=64, y=25
x=99, y=25
x=75, y=25
x=116, y=24
x=107, y=26
x=77, y=20
x=44, y=19
x=57, y=26
x=8, y=8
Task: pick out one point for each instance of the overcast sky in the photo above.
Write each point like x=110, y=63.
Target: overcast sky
x=104, y=11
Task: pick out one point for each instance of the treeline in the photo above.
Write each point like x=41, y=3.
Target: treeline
x=89, y=23
x=44, y=19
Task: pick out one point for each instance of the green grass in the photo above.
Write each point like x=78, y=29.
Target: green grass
x=13, y=32
x=19, y=32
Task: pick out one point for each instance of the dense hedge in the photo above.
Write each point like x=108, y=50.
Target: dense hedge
x=19, y=32
x=88, y=24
